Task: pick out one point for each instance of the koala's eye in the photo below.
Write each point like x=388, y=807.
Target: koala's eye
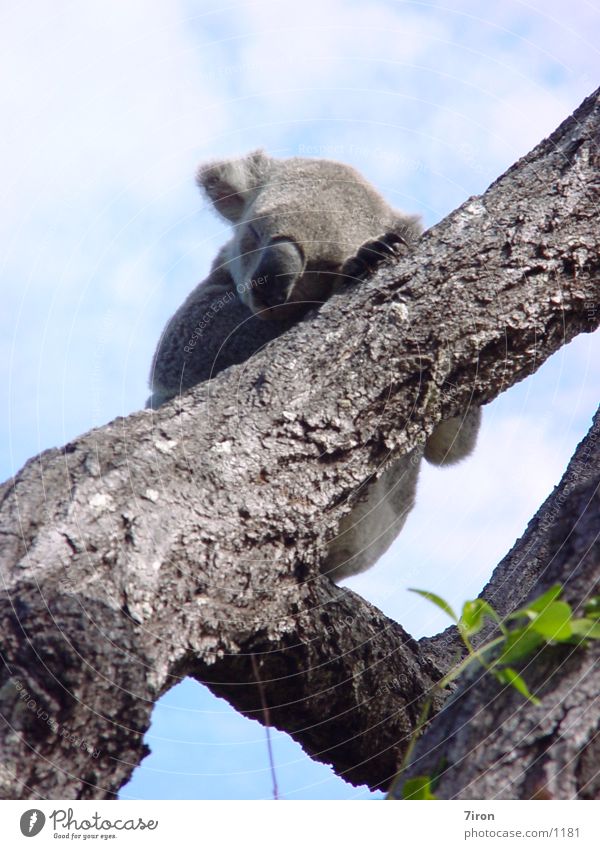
x=210, y=180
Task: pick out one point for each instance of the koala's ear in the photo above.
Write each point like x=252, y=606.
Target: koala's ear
x=231, y=183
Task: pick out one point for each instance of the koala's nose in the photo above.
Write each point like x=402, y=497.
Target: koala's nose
x=281, y=264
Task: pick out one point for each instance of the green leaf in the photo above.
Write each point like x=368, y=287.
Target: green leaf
x=511, y=677
x=473, y=615
x=554, y=621
x=539, y=603
x=418, y=788
x=592, y=607
x=439, y=602
x=587, y=628
x=520, y=643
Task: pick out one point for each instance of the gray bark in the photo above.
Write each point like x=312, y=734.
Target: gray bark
x=185, y=541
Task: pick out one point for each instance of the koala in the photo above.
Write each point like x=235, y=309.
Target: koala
x=302, y=229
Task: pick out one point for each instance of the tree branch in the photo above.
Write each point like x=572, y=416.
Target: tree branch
x=186, y=541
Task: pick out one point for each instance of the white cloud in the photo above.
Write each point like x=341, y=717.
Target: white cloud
x=106, y=107
x=100, y=99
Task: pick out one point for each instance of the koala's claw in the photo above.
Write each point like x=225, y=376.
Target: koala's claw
x=373, y=253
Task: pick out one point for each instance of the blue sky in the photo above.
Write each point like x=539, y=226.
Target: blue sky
x=107, y=109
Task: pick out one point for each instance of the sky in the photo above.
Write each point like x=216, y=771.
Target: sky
x=107, y=109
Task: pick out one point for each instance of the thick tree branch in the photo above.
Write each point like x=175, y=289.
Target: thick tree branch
x=183, y=542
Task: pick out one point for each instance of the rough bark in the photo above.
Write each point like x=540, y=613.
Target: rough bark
x=183, y=542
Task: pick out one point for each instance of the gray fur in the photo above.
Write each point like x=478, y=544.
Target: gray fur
x=299, y=226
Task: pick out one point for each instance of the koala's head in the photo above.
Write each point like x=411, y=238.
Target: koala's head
x=296, y=221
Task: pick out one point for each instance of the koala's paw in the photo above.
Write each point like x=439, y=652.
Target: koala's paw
x=373, y=253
